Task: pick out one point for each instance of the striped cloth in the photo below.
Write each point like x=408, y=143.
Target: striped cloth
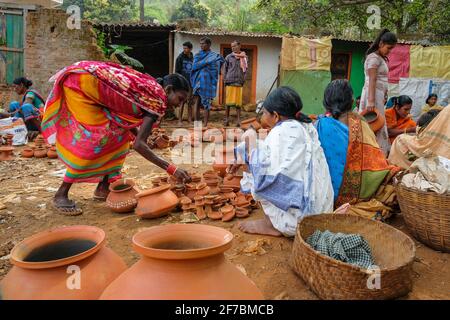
x=205, y=75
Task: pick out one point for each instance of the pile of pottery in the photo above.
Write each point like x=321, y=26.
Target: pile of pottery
x=40, y=150
x=211, y=197
x=178, y=261
x=6, y=151
x=160, y=140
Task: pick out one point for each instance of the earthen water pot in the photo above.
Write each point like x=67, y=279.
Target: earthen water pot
x=66, y=263
x=232, y=181
x=27, y=153
x=6, y=153
x=122, y=196
x=252, y=122
x=374, y=118
x=156, y=202
x=182, y=262
x=51, y=153
x=40, y=152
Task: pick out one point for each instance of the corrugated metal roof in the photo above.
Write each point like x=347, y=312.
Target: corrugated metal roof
x=370, y=41
x=229, y=33
x=137, y=25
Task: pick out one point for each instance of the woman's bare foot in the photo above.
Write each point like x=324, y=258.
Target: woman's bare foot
x=261, y=226
x=66, y=207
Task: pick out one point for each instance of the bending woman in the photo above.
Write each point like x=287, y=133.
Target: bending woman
x=288, y=171
x=398, y=118
x=94, y=109
x=357, y=164
x=31, y=107
x=376, y=80
x=434, y=139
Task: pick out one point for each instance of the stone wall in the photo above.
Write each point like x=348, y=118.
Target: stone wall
x=50, y=45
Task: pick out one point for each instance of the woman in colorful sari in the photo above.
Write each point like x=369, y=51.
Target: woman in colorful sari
x=31, y=107
x=434, y=139
x=357, y=164
x=94, y=110
x=376, y=73
x=398, y=118
x=288, y=172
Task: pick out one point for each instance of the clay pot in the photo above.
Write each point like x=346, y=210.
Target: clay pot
x=191, y=191
x=185, y=204
x=227, y=193
x=374, y=118
x=195, y=178
x=232, y=181
x=213, y=185
x=179, y=190
x=156, y=202
x=182, y=262
x=199, y=203
x=162, y=141
x=45, y=263
x=51, y=153
x=27, y=153
x=6, y=153
x=215, y=215
x=122, y=197
x=242, y=213
x=202, y=189
x=252, y=122
x=228, y=213
x=40, y=152
x=222, y=159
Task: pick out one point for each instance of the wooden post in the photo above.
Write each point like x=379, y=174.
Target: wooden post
x=25, y=13
x=142, y=10
x=170, y=52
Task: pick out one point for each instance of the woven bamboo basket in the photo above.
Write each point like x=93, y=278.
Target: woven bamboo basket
x=392, y=250
x=427, y=216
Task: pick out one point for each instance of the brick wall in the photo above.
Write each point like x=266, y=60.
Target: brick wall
x=50, y=46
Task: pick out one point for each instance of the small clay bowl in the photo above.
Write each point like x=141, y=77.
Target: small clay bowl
x=228, y=212
x=242, y=212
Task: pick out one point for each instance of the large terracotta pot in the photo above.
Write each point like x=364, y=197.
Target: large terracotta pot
x=181, y=261
x=156, y=202
x=122, y=196
x=68, y=263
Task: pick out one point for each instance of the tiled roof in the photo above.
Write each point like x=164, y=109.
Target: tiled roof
x=229, y=33
x=137, y=25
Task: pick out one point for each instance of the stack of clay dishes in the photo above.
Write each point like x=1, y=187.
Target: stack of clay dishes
x=252, y=122
x=232, y=181
x=6, y=152
x=40, y=150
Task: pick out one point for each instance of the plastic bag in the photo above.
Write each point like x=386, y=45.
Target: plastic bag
x=17, y=127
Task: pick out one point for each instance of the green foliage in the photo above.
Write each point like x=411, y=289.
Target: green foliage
x=104, y=10
x=119, y=52
x=192, y=9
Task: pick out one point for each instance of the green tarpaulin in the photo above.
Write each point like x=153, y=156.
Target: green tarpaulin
x=310, y=85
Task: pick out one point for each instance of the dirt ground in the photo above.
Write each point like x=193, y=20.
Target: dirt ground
x=27, y=187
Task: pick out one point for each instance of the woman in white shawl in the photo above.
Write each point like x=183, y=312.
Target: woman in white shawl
x=288, y=172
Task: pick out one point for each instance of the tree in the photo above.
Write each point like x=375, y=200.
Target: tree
x=104, y=10
x=405, y=17
x=192, y=9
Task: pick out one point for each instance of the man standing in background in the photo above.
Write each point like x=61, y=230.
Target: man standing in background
x=183, y=66
x=204, y=78
x=234, y=70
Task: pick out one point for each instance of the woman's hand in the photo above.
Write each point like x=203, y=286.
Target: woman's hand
x=370, y=107
x=182, y=176
x=233, y=168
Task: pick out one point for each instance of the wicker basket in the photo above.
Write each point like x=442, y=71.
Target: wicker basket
x=393, y=252
x=427, y=216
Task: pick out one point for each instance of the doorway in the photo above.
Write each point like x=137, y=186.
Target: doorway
x=249, y=90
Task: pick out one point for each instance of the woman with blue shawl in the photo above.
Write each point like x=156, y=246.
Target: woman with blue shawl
x=288, y=172
x=357, y=164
